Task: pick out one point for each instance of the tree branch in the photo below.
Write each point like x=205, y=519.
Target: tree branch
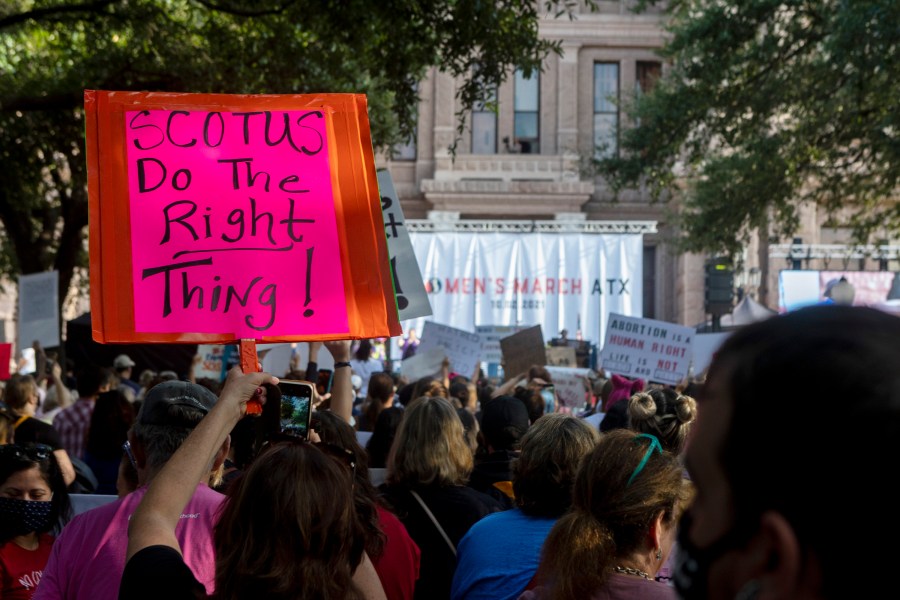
x=244, y=13
x=52, y=11
x=48, y=102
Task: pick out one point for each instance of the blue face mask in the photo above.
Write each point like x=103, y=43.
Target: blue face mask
x=20, y=517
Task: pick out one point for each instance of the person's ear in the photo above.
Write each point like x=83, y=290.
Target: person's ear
x=776, y=556
x=137, y=450
x=655, y=537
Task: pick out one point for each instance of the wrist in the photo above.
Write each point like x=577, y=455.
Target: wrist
x=341, y=363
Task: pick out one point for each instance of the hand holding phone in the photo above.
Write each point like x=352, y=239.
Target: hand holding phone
x=296, y=407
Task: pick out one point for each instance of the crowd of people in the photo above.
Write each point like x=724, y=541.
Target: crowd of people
x=464, y=488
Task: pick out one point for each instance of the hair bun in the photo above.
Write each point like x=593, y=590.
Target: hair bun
x=642, y=406
x=685, y=408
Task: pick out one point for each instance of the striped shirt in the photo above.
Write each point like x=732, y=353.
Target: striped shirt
x=72, y=424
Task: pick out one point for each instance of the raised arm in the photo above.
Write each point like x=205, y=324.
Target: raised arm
x=65, y=465
x=445, y=373
x=158, y=513
x=341, y=388
x=312, y=365
x=472, y=385
x=508, y=386
x=63, y=396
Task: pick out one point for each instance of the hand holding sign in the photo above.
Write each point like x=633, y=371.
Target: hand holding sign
x=216, y=243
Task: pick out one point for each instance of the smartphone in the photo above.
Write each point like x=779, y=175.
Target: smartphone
x=296, y=405
x=323, y=385
x=547, y=392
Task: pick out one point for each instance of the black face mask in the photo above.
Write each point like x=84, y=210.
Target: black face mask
x=24, y=516
x=692, y=564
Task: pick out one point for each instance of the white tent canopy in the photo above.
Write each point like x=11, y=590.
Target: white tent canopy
x=745, y=312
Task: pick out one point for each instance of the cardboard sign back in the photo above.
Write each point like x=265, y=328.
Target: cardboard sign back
x=522, y=350
x=217, y=217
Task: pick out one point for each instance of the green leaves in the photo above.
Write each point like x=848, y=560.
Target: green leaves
x=52, y=50
x=769, y=104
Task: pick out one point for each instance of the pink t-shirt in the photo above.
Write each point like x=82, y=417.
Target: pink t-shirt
x=88, y=558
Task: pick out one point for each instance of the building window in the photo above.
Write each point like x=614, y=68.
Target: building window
x=647, y=75
x=606, y=109
x=649, y=283
x=484, y=126
x=526, y=124
x=405, y=151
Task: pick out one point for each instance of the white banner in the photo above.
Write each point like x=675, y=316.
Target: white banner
x=39, y=309
x=653, y=350
x=557, y=280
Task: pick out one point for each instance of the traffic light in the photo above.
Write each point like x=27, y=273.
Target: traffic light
x=719, y=292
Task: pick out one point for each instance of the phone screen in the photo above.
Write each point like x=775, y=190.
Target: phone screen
x=549, y=399
x=296, y=400
x=323, y=385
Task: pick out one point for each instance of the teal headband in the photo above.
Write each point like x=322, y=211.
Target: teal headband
x=654, y=445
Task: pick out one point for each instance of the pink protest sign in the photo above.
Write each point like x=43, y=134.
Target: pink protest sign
x=5, y=355
x=233, y=227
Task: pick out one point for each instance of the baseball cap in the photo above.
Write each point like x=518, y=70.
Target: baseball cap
x=123, y=361
x=176, y=403
x=504, y=420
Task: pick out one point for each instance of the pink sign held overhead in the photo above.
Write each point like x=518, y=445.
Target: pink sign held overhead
x=5, y=355
x=233, y=224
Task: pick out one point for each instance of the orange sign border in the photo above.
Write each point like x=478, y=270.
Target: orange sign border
x=371, y=306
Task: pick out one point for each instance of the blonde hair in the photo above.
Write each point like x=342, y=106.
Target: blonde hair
x=430, y=446
x=664, y=413
x=19, y=390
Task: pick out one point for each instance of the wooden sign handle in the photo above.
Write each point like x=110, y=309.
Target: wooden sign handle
x=250, y=364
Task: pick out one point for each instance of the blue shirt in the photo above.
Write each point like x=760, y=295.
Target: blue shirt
x=499, y=556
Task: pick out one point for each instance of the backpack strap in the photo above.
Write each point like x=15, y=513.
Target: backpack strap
x=434, y=520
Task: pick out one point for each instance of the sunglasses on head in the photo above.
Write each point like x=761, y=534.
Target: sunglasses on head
x=126, y=447
x=35, y=452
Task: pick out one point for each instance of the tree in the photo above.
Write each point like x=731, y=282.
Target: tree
x=767, y=105
x=52, y=50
